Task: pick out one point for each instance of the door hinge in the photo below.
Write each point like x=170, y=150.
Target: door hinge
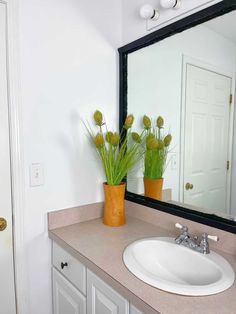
x=230, y=99
x=228, y=165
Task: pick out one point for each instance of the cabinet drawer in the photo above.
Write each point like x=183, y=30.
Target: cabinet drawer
x=102, y=299
x=66, y=298
x=70, y=267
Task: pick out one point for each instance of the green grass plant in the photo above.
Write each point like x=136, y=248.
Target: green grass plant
x=119, y=153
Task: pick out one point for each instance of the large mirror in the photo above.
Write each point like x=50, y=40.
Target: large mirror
x=188, y=78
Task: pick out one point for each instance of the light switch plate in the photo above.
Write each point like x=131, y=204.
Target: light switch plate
x=174, y=162
x=36, y=174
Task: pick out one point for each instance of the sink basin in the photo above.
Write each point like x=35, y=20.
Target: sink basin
x=163, y=264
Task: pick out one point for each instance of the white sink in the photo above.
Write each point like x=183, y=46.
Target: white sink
x=163, y=264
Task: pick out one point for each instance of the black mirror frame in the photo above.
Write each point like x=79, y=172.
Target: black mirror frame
x=174, y=28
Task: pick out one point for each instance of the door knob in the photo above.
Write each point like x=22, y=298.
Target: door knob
x=188, y=186
x=3, y=224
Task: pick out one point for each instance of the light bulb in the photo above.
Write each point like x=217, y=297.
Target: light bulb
x=148, y=12
x=169, y=4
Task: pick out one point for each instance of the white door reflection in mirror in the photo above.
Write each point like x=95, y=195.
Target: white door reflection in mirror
x=207, y=110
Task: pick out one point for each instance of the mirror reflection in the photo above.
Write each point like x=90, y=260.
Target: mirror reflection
x=188, y=79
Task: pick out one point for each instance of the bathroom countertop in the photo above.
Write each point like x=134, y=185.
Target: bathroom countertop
x=101, y=248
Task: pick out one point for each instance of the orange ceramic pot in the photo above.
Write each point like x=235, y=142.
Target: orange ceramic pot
x=114, y=205
x=153, y=188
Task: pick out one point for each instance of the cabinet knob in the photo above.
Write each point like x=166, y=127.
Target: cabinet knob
x=63, y=265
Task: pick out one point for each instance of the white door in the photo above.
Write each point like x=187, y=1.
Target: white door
x=7, y=293
x=207, y=111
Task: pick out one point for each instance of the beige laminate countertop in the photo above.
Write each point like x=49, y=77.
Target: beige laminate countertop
x=102, y=247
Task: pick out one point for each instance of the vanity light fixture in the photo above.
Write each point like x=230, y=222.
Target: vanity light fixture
x=170, y=4
x=147, y=12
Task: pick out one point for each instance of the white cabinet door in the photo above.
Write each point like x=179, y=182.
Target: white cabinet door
x=66, y=298
x=102, y=299
x=134, y=310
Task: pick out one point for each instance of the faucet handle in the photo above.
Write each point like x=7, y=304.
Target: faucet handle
x=213, y=238
x=204, y=242
x=179, y=226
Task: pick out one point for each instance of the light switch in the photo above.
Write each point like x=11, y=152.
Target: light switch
x=36, y=174
x=174, y=162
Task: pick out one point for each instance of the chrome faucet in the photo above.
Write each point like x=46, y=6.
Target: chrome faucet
x=192, y=242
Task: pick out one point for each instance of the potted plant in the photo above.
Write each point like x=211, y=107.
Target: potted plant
x=119, y=153
x=155, y=159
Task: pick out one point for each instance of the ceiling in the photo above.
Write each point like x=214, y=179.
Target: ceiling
x=224, y=25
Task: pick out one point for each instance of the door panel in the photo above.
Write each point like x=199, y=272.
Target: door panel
x=206, y=138
x=102, y=299
x=66, y=298
x=7, y=294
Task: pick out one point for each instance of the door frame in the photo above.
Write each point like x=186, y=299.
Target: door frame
x=16, y=153
x=187, y=60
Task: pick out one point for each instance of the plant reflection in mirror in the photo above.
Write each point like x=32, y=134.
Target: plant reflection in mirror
x=157, y=148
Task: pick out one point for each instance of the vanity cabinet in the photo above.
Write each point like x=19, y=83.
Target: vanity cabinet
x=77, y=290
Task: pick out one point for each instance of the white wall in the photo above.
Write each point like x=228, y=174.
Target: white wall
x=134, y=27
x=154, y=83
x=68, y=64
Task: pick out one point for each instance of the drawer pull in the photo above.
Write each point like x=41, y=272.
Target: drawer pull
x=63, y=265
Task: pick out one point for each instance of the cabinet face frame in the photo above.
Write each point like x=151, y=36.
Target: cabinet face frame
x=200, y=17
